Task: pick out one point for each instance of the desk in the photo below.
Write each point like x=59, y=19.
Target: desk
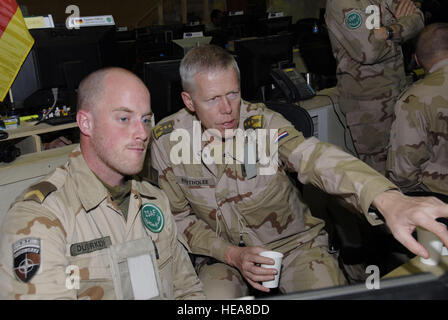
x=326, y=114
x=33, y=164
x=29, y=129
x=414, y=266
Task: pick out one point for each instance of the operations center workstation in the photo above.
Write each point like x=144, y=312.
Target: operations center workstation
x=289, y=59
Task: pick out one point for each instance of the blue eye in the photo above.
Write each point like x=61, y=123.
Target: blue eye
x=147, y=121
x=123, y=119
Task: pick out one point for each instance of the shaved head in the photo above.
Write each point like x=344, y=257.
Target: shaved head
x=93, y=88
x=432, y=45
x=114, y=117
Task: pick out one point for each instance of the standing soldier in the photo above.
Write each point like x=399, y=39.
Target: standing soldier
x=230, y=209
x=370, y=67
x=88, y=229
x=418, y=153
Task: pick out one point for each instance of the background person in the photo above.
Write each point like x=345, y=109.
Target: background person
x=370, y=68
x=418, y=148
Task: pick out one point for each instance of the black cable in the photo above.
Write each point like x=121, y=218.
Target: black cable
x=342, y=124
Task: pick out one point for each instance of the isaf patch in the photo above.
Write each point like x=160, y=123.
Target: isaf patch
x=26, y=258
x=353, y=20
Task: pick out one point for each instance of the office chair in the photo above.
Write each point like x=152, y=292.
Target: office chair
x=297, y=115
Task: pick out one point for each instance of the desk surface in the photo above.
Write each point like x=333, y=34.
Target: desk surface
x=29, y=129
x=414, y=266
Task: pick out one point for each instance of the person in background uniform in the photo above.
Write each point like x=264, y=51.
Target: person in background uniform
x=418, y=148
x=370, y=68
x=216, y=20
x=85, y=230
x=230, y=209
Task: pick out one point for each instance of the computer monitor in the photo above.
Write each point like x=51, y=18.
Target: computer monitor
x=256, y=57
x=239, y=26
x=422, y=286
x=272, y=26
x=163, y=81
x=187, y=44
x=63, y=57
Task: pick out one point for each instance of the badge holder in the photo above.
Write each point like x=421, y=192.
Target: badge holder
x=134, y=270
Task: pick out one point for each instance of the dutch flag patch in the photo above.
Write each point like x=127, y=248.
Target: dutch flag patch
x=281, y=136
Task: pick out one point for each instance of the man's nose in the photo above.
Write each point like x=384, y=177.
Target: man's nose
x=142, y=131
x=225, y=106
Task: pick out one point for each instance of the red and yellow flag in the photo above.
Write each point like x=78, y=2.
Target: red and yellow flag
x=15, y=43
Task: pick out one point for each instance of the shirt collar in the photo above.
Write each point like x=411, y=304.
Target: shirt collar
x=90, y=190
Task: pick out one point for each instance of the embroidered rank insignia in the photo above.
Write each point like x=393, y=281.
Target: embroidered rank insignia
x=39, y=191
x=163, y=129
x=254, y=122
x=26, y=258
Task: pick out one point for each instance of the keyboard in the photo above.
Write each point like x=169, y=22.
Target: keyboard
x=60, y=120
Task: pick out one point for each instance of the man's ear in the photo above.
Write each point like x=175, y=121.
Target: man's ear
x=85, y=122
x=188, y=101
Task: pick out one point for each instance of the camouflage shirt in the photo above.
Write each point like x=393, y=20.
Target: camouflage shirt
x=217, y=205
x=68, y=219
x=418, y=149
x=368, y=68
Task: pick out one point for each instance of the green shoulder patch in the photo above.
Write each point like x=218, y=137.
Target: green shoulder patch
x=353, y=20
x=39, y=191
x=254, y=122
x=163, y=129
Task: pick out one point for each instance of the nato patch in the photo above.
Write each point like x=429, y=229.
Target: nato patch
x=26, y=258
x=90, y=246
x=353, y=20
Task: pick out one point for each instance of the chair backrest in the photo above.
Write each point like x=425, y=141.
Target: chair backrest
x=297, y=115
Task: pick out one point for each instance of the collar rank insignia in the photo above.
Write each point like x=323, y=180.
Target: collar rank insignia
x=163, y=129
x=254, y=122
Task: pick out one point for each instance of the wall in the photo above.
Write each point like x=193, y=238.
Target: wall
x=125, y=13
x=128, y=13
x=298, y=9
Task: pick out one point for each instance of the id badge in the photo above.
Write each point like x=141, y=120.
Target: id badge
x=134, y=270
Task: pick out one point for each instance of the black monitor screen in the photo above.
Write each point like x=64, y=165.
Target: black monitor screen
x=271, y=26
x=64, y=57
x=256, y=57
x=240, y=26
x=163, y=81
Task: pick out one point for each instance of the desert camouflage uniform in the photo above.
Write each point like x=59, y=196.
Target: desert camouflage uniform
x=71, y=206
x=370, y=72
x=418, y=152
x=217, y=205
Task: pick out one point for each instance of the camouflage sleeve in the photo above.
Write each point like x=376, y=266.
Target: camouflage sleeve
x=32, y=256
x=186, y=283
x=346, y=21
x=200, y=237
x=408, y=27
x=329, y=168
x=408, y=146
